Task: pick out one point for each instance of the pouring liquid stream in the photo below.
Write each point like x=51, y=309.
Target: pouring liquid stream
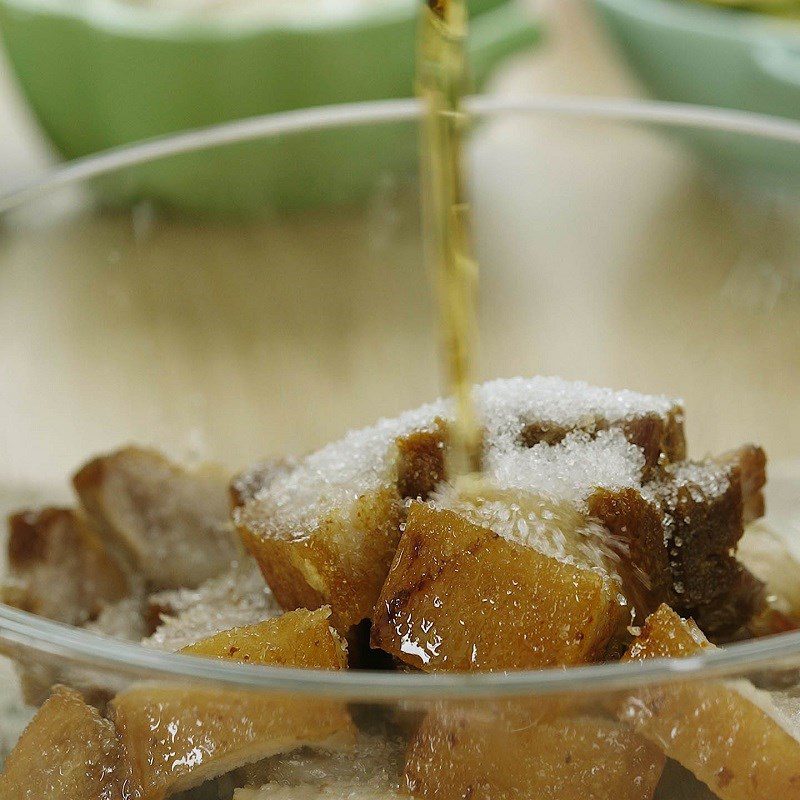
x=442, y=82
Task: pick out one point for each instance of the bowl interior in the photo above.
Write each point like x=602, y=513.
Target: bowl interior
x=609, y=253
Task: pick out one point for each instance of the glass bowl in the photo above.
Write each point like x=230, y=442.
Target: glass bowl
x=609, y=253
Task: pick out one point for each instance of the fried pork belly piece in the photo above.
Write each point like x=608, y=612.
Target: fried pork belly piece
x=123, y=620
x=167, y=523
x=234, y=599
x=326, y=532
x=742, y=742
x=681, y=531
x=495, y=753
x=60, y=567
x=177, y=737
x=342, y=561
x=295, y=639
x=67, y=752
x=61, y=570
x=169, y=620
x=461, y=597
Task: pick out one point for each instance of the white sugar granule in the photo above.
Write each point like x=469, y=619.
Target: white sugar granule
x=365, y=460
x=338, y=474
x=569, y=470
x=704, y=481
x=508, y=404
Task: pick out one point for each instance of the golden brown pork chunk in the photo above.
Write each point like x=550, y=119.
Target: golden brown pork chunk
x=68, y=752
x=680, y=532
x=342, y=562
x=742, y=742
x=168, y=523
x=325, y=532
x=297, y=639
x=176, y=737
x=62, y=571
x=489, y=753
x=460, y=597
x=62, y=568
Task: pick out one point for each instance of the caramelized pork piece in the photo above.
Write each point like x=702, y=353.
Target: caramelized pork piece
x=122, y=620
x=38, y=678
x=169, y=620
x=461, y=597
x=234, y=599
x=421, y=461
x=177, y=737
x=490, y=753
x=68, y=752
x=742, y=742
x=61, y=568
x=637, y=525
x=169, y=524
x=707, y=506
x=326, y=532
x=681, y=532
x=296, y=639
x=747, y=466
x=342, y=560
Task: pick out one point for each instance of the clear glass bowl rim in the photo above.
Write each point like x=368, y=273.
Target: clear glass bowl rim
x=26, y=635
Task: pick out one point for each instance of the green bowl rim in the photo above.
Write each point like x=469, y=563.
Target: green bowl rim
x=729, y=23
x=119, y=18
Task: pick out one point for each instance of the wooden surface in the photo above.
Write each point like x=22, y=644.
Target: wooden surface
x=608, y=253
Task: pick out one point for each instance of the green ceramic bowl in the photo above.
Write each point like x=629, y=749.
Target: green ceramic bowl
x=694, y=53
x=101, y=74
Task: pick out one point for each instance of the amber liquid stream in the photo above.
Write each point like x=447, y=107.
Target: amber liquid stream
x=442, y=83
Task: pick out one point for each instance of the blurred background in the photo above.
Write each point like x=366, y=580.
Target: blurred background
x=261, y=298
x=575, y=55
